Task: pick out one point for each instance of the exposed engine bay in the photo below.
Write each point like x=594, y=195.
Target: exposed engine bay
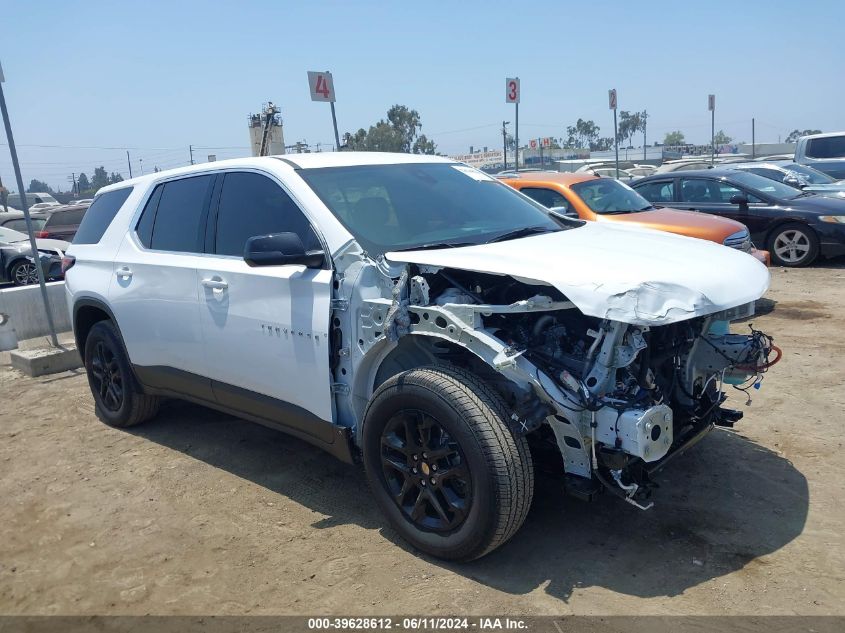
x=609, y=403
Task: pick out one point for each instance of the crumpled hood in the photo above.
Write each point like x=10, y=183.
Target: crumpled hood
x=616, y=272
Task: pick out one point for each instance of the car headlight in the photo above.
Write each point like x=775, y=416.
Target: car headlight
x=739, y=240
x=833, y=219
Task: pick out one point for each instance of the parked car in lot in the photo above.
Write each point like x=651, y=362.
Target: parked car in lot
x=589, y=197
x=42, y=199
x=15, y=220
x=62, y=222
x=417, y=315
x=17, y=263
x=795, y=175
x=825, y=152
x=682, y=165
x=796, y=227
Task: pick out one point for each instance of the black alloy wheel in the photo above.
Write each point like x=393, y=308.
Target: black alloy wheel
x=106, y=377
x=425, y=471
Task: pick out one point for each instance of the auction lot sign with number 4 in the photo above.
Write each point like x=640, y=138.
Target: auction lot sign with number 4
x=321, y=85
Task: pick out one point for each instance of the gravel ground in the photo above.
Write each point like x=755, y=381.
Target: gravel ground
x=199, y=513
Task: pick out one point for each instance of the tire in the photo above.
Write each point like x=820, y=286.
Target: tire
x=118, y=400
x=475, y=470
x=798, y=243
x=23, y=273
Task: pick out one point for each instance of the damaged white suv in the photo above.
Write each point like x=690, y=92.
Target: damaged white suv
x=419, y=316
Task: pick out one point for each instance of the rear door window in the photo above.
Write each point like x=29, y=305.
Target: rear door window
x=252, y=204
x=66, y=218
x=827, y=147
x=99, y=215
x=177, y=222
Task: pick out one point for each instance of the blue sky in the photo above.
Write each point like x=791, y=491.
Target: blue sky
x=156, y=77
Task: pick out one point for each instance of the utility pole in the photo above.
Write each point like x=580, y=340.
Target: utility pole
x=645, y=124
x=711, y=105
x=25, y=208
x=141, y=161
x=191, y=150
x=129, y=162
x=753, y=141
x=505, y=141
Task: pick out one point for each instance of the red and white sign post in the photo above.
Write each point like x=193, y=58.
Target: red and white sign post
x=321, y=86
x=512, y=96
x=611, y=101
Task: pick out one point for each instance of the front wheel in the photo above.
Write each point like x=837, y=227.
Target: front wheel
x=23, y=273
x=794, y=245
x=443, y=465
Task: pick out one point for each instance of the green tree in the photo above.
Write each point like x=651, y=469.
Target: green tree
x=629, y=124
x=100, y=178
x=399, y=133
x=581, y=135
x=794, y=135
x=38, y=186
x=114, y=178
x=82, y=182
x=674, y=138
x=721, y=138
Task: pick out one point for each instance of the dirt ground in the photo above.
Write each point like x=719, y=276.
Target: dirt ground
x=200, y=513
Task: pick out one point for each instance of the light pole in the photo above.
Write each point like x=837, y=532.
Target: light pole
x=505, y=125
x=25, y=208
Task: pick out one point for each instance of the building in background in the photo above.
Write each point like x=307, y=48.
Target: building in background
x=266, y=132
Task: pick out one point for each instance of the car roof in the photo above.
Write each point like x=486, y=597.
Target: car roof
x=756, y=164
x=824, y=135
x=313, y=160
x=559, y=177
x=17, y=215
x=709, y=173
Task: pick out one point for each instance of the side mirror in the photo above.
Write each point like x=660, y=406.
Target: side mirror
x=563, y=212
x=281, y=249
x=794, y=182
x=739, y=198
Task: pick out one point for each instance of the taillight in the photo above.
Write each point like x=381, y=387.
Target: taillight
x=67, y=263
x=42, y=234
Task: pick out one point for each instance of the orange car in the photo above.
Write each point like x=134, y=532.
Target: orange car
x=594, y=198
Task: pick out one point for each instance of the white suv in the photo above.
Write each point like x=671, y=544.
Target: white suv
x=419, y=316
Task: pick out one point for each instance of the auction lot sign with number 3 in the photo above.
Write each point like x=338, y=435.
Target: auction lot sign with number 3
x=512, y=90
x=321, y=85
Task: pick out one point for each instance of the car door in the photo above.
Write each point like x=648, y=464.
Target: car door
x=265, y=327
x=154, y=292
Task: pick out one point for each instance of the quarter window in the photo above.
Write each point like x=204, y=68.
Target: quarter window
x=99, y=215
x=252, y=204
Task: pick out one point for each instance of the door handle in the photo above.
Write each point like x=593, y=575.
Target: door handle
x=216, y=284
x=124, y=272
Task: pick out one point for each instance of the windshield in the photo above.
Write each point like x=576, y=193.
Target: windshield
x=401, y=207
x=608, y=196
x=812, y=176
x=765, y=185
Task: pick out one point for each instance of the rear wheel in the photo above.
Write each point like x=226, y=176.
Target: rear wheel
x=794, y=245
x=23, y=273
x=118, y=400
x=443, y=465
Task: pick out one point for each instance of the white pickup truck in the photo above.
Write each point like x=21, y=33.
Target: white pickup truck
x=825, y=152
